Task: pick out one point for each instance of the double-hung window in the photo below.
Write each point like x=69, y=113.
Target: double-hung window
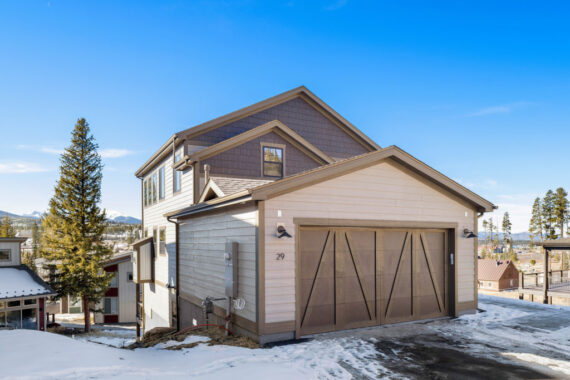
x=272, y=161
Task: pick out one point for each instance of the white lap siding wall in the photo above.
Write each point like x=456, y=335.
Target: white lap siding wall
x=157, y=298
x=380, y=192
x=202, y=246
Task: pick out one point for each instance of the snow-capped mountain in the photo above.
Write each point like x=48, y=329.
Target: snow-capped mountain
x=118, y=217
x=34, y=215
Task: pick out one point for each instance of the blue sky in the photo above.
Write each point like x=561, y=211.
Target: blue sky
x=479, y=90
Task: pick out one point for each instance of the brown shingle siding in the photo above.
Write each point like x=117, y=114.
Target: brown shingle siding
x=300, y=117
x=245, y=160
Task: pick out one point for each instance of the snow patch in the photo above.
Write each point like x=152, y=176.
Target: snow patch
x=557, y=365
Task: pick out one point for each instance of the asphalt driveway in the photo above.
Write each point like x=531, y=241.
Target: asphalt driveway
x=511, y=339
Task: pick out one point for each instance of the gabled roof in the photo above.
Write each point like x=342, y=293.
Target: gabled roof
x=394, y=153
x=119, y=258
x=301, y=92
x=223, y=186
x=19, y=281
x=339, y=168
x=272, y=126
x=492, y=270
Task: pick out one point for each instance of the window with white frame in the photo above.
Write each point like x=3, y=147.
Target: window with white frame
x=161, y=180
x=154, y=187
x=176, y=176
x=110, y=306
x=19, y=314
x=114, y=281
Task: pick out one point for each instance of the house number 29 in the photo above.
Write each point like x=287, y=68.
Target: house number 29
x=280, y=256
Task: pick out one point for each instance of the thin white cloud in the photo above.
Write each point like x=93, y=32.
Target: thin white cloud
x=486, y=184
x=115, y=153
x=51, y=150
x=336, y=5
x=499, y=109
x=21, y=168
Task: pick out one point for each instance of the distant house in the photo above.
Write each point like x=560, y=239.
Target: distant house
x=119, y=304
x=22, y=292
x=497, y=275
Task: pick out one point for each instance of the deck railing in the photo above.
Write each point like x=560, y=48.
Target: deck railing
x=556, y=279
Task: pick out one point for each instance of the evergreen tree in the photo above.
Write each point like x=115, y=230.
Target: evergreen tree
x=35, y=241
x=561, y=209
x=491, y=230
x=485, y=226
x=536, y=227
x=74, y=224
x=548, y=216
x=507, y=236
x=6, y=228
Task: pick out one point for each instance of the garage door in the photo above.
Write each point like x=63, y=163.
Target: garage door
x=357, y=277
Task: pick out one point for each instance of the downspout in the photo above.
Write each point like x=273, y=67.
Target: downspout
x=177, y=275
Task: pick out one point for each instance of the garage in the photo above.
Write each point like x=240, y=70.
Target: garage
x=374, y=240
x=358, y=277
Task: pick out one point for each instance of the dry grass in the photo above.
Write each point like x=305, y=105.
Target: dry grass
x=217, y=337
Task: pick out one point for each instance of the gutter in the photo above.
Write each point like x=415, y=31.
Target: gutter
x=174, y=139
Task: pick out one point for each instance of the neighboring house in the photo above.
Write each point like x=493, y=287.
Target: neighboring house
x=497, y=275
x=22, y=292
x=304, y=221
x=119, y=304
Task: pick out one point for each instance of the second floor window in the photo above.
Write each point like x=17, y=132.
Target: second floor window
x=272, y=162
x=161, y=183
x=176, y=176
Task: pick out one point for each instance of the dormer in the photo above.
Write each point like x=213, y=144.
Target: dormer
x=10, y=253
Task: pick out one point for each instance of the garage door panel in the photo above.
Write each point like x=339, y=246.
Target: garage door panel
x=356, y=277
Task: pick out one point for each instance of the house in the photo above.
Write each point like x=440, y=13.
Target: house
x=22, y=292
x=294, y=222
x=497, y=275
x=119, y=304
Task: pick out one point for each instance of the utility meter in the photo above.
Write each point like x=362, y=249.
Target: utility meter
x=231, y=264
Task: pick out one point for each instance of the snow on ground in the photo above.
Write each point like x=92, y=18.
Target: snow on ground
x=512, y=339
x=189, y=340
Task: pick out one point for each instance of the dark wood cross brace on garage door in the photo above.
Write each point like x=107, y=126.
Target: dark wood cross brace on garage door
x=357, y=277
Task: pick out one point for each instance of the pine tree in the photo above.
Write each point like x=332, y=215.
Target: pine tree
x=507, y=226
x=485, y=226
x=548, y=216
x=74, y=224
x=36, y=246
x=536, y=226
x=6, y=228
x=561, y=209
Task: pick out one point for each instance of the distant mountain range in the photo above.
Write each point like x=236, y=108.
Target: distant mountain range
x=518, y=236
x=112, y=216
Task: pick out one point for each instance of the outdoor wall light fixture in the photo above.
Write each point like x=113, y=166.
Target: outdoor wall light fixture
x=282, y=232
x=468, y=234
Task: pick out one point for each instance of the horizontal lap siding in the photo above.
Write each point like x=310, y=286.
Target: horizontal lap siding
x=165, y=265
x=202, y=246
x=380, y=192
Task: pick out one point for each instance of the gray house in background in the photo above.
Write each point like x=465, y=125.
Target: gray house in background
x=302, y=224
x=22, y=293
